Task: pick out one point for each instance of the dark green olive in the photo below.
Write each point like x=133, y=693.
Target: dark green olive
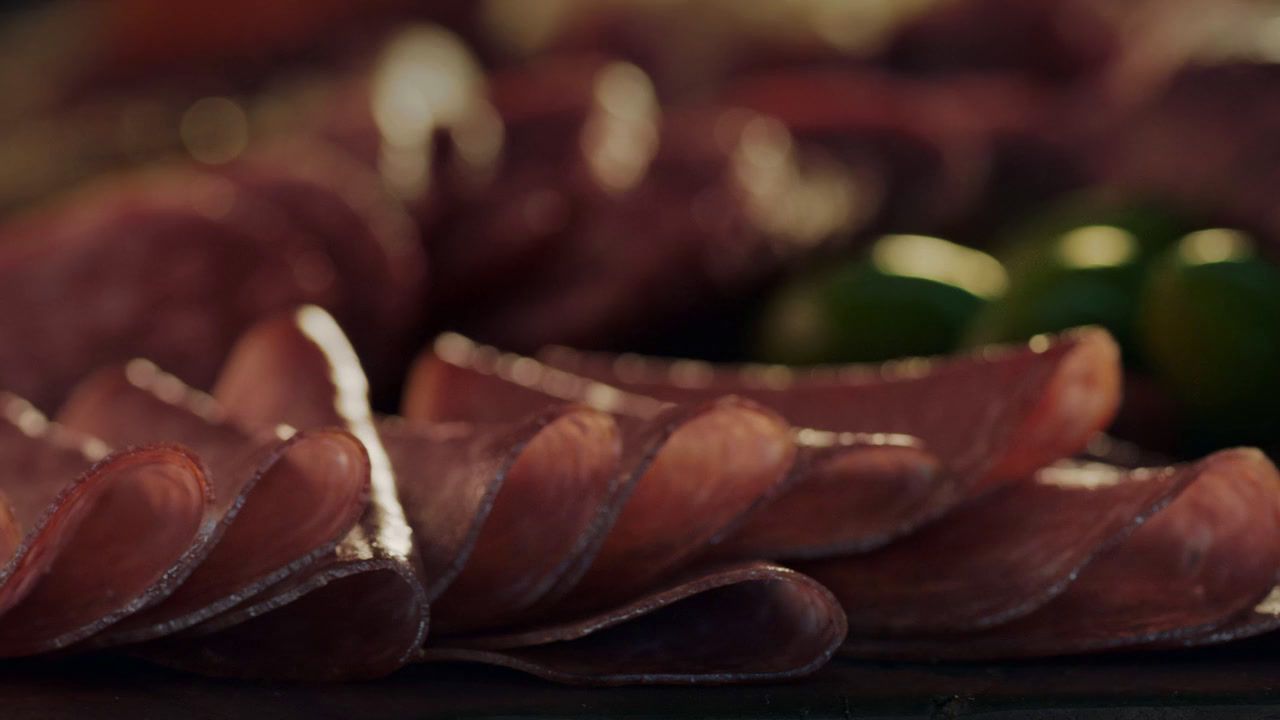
x=1209, y=323
x=1083, y=263
x=914, y=295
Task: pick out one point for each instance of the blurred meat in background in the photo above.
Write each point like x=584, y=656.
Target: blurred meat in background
x=797, y=181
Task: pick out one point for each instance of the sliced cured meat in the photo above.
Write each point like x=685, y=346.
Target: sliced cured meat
x=749, y=622
x=85, y=544
x=1008, y=412
x=280, y=504
x=659, y=492
x=891, y=486
x=618, y=540
x=893, y=491
x=298, y=369
x=702, y=204
x=1211, y=556
x=356, y=614
x=696, y=472
x=847, y=498
x=171, y=266
x=929, y=144
x=991, y=418
x=499, y=514
x=373, y=243
x=998, y=558
x=687, y=212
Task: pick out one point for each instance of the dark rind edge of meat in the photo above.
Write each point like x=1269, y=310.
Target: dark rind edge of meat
x=262, y=585
x=168, y=582
x=506, y=649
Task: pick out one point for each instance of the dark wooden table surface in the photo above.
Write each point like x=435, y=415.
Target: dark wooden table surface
x=1216, y=684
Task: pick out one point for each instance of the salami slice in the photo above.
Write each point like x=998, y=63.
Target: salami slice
x=891, y=484
x=643, y=521
x=996, y=559
x=851, y=497
x=626, y=531
x=1051, y=397
x=1183, y=577
x=468, y=493
x=750, y=622
x=280, y=504
x=299, y=370
x=87, y=543
x=993, y=417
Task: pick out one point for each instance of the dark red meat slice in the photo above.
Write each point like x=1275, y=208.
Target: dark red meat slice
x=695, y=473
x=170, y=266
x=698, y=225
x=626, y=533
x=373, y=243
x=996, y=559
x=749, y=622
x=893, y=490
x=929, y=143
x=279, y=504
x=357, y=614
x=629, y=216
x=993, y=417
x=656, y=495
x=84, y=546
x=843, y=499
x=499, y=514
x=298, y=369
x=1211, y=556
x=1014, y=410
x=892, y=485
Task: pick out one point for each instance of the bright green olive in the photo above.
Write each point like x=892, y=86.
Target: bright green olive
x=914, y=295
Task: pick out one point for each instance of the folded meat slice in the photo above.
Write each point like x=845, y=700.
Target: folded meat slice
x=1261, y=619
x=739, y=623
x=991, y=418
x=682, y=479
x=632, y=501
x=695, y=473
x=499, y=514
x=890, y=483
x=853, y=496
x=86, y=543
x=299, y=370
x=280, y=503
x=999, y=558
x=1191, y=570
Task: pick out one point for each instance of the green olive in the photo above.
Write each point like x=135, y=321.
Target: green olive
x=1082, y=263
x=1210, y=326
x=914, y=295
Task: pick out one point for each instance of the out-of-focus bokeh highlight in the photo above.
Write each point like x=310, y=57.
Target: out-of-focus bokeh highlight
x=793, y=181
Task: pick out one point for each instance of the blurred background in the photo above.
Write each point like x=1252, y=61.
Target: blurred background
x=794, y=181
